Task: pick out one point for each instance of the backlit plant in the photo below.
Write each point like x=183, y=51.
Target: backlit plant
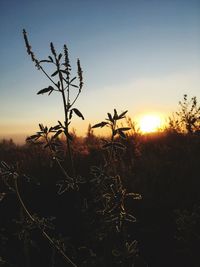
x=104, y=207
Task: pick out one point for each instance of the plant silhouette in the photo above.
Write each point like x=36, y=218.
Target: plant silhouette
x=102, y=194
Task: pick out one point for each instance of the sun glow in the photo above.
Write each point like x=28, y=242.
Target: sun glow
x=150, y=123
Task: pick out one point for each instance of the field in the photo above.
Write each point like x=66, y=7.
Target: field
x=127, y=199
x=163, y=168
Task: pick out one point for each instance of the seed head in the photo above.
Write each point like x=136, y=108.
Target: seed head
x=29, y=51
x=80, y=76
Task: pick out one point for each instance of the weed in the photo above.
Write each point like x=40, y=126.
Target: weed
x=102, y=194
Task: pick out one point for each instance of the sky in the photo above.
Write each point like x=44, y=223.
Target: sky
x=136, y=55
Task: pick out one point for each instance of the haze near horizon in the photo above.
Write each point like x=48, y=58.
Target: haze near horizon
x=140, y=56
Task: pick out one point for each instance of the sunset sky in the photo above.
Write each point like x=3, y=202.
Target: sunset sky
x=140, y=55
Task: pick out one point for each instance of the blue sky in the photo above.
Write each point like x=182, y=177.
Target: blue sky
x=140, y=55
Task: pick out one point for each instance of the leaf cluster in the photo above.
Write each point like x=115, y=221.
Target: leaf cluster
x=113, y=145
x=48, y=138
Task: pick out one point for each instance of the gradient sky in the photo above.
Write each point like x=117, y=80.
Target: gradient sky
x=140, y=55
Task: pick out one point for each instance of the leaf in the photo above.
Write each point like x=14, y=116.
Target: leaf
x=130, y=218
x=78, y=113
x=45, y=60
x=70, y=114
x=51, y=87
x=35, y=136
x=115, y=117
x=5, y=166
x=133, y=247
x=121, y=116
x=45, y=90
x=51, y=59
x=121, y=134
x=72, y=80
x=59, y=57
x=65, y=185
x=76, y=86
x=54, y=74
x=124, y=129
x=57, y=127
x=116, y=252
x=110, y=117
x=41, y=127
x=135, y=196
x=51, y=129
x=61, y=125
x=101, y=124
x=57, y=133
x=50, y=92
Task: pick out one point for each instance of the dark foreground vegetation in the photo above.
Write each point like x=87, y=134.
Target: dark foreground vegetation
x=126, y=200
x=163, y=168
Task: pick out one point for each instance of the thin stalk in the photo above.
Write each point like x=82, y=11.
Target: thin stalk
x=112, y=163
x=25, y=242
x=68, y=98
x=57, y=161
x=47, y=75
x=44, y=233
x=112, y=140
x=75, y=98
x=66, y=105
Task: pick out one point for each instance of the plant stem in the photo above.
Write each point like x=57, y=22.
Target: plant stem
x=112, y=140
x=25, y=241
x=57, y=161
x=47, y=75
x=75, y=98
x=66, y=105
x=111, y=152
x=67, y=259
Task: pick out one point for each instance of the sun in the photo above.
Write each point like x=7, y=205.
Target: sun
x=150, y=123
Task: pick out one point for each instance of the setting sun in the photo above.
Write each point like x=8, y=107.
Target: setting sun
x=150, y=123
